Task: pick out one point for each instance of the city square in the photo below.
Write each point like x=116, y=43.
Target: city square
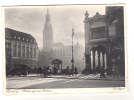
x=57, y=49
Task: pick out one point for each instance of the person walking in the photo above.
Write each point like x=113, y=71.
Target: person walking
x=67, y=71
x=102, y=75
x=45, y=72
x=115, y=72
x=75, y=71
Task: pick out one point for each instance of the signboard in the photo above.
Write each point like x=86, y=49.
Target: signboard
x=115, y=47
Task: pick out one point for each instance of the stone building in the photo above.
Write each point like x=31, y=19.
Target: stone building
x=104, y=38
x=21, y=48
x=64, y=52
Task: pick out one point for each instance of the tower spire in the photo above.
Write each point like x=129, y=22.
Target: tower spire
x=47, y=15
x=47, y=11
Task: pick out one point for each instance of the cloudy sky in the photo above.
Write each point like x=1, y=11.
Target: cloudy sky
x=32, y=19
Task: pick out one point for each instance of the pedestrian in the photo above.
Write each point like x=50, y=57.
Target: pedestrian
x=45, y=72
x=39, y=70
x=75, y=71
x=115, y=72
x=67, y=71
x=97, y=69
x=102, y=75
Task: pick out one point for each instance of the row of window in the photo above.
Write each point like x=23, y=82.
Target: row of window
x=100, y=32
x=24, y=39
x=25, y=53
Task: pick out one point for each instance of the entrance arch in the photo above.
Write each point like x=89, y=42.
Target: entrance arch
x=98, y=57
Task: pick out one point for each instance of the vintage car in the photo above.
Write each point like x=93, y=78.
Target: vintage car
x=18, y=70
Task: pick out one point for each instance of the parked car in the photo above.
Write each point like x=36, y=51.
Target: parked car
x=18, y=70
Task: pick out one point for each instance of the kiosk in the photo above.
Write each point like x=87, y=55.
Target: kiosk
x=57, y=66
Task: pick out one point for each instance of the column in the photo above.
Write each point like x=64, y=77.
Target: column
x=98, y=58
x=91, y=60
x=105, y=58
x=88, y=60
x=101, y=60
x=94, y=60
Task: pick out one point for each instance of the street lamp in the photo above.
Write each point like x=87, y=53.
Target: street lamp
x=72, y=61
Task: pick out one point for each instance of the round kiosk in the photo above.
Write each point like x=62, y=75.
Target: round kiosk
x=57, y=66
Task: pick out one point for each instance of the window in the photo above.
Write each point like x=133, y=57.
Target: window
x=113, y=27
x=23, y=39
x=19, y=38
x=27, y=50
x=23, y=50
x=97, y=33
x=15, y=49
x=19, y=49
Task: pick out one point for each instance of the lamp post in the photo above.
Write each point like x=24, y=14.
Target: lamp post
x=72, y=61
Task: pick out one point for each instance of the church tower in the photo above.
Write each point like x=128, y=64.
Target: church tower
x=48, y=54
x=47, y=35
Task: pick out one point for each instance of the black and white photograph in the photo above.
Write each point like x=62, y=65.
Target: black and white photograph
x=65, y=47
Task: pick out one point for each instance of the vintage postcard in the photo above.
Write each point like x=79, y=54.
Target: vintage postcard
x=64, y=49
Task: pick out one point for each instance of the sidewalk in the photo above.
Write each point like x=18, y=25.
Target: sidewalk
x=97, y=77
x=82, y=76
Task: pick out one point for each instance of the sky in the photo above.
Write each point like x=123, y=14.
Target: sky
x=63, y=18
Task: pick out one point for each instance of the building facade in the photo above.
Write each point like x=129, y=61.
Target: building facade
x=104, y=38
x=21, y=48
x=65, y=54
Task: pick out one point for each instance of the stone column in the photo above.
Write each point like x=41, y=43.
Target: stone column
x=94, y=60
x=91, y=60
x=103, y=59
x=98, y=58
